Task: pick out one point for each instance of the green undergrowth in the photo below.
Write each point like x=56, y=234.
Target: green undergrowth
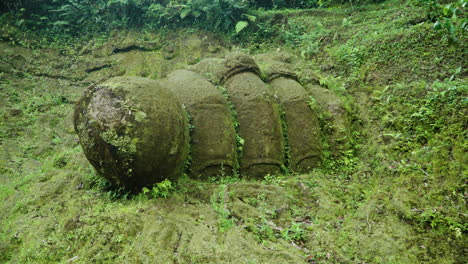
x=73, y=17
x=405, y=84
x=287, y=153
x=429, y=150
x=394, y=38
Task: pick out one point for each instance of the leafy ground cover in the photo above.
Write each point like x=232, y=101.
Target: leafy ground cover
x=397, y=194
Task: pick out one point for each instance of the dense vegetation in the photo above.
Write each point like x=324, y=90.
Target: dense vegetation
x=77, y=16
x=397, y=194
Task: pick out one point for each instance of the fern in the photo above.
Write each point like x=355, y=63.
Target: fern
x=241, y=25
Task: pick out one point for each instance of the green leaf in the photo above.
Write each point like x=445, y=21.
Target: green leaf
x=60, y=23
x=196, y=13
x=250, y=18
x=19, y=22
x=241, y=141
x=241, y=25
x=185, y=12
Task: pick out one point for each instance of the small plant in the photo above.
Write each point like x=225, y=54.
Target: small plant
x=265, y=232
x=287, y=148
x=450, y=19
x=310, y=50
x=268, y=231
x=218, y=202
x=313, y=104
x=279, y=180
x=436, y=220
x=244, y=23
x=294, y=233
x=335, y=84
x=162, y=189
x=293, y=34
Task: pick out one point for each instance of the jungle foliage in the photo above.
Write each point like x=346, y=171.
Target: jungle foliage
x=76, y=17
x=449, y=17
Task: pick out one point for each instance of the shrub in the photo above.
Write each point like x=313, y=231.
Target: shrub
x=74, y=17
x=449, y=17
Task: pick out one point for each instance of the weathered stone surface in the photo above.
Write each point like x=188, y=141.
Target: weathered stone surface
x=219, y=70
x=213, y=138
x=333, y=109
x=133, y=131
x=303, y=129
x=259, y=125
x=211, y=68
x=276, y=64
x=257, y=112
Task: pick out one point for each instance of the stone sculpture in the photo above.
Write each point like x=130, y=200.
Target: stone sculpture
x=135, y=131
x=213, y=138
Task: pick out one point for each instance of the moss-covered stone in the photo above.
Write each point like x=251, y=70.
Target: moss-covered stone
x=303, y=129
x=302, y=122
x=213, y=139
x=218, y=70
x=212, y=69
x=257, y=111
x=258, y=115
x=276, y=64
x=259, y=125
x=133, y=131
x=334, y=110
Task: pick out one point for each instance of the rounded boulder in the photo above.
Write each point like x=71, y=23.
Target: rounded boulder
x=133, y=130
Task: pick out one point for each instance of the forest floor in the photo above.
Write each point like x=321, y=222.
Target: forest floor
x=398, y=195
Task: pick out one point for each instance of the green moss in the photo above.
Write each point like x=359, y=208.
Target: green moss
x=400, y=197
x=126, y=145
x=235, y=121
